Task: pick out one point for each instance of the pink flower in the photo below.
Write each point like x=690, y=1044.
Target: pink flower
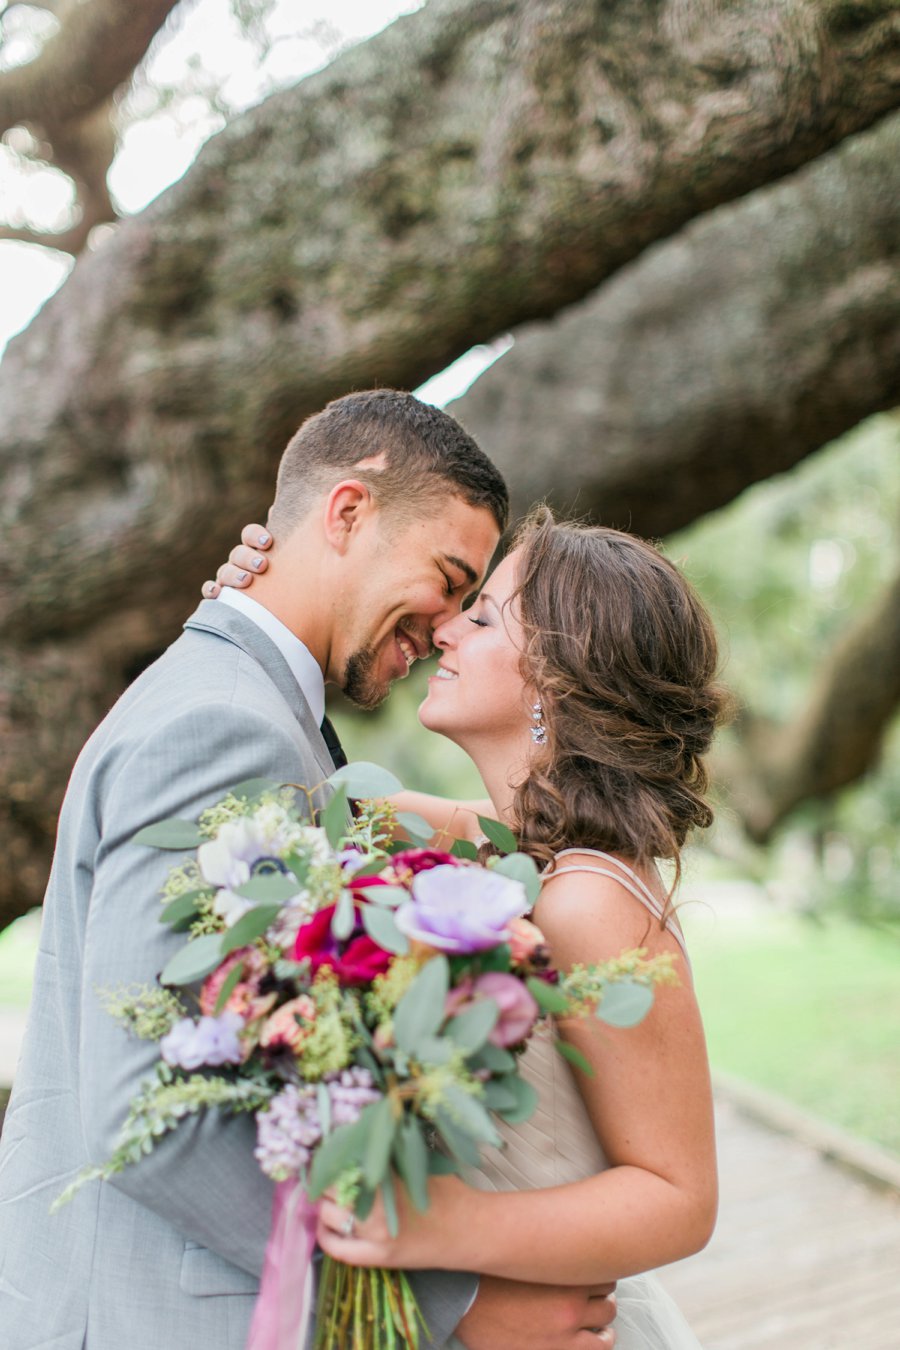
x=282, y=1028
x=524, y=940
x=243, y=997
x=518, y=1009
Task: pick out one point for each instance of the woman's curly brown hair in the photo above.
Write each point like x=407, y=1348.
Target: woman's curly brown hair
x=623, y=657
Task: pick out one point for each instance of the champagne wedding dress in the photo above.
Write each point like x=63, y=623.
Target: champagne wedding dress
x=558, y=1145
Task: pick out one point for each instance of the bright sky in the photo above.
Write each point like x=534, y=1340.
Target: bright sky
x=203, y=47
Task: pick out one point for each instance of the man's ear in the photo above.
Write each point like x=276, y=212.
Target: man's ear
x=348, y=505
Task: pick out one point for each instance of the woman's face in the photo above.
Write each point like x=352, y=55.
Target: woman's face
x=477, y=693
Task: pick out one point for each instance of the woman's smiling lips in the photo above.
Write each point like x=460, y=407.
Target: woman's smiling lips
x=442, y=673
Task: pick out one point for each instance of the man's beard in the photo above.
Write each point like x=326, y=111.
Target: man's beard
x=360, y=685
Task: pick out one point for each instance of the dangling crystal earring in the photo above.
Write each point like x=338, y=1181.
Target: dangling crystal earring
x=538, y=730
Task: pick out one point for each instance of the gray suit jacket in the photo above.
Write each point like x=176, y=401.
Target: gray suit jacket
x=167, y=1256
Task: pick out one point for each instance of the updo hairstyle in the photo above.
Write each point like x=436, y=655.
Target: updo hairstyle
x=623, y=656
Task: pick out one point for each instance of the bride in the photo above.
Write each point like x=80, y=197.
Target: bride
x=581, y=683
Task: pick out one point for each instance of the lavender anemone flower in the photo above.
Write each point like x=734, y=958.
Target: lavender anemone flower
x=461, y=909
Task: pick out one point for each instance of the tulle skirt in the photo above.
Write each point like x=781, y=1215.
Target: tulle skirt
x=648, y=1319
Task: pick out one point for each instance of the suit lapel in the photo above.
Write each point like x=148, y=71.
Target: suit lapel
x=228, y=623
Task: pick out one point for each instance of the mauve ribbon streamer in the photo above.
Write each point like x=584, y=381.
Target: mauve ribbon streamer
x=285, y=1304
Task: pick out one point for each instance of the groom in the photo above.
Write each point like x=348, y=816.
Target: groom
x=386, y=515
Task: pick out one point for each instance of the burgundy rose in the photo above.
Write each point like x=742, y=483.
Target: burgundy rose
x=417, y=860
x=355, y=960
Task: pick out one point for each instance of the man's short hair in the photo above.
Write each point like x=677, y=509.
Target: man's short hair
x=424, y=451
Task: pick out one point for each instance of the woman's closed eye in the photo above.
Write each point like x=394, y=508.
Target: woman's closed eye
x=479, y=623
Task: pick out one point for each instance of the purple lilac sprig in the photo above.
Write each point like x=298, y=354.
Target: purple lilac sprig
x=291, y=1126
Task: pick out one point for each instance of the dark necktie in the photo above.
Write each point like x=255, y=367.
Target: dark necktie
x=335, y=749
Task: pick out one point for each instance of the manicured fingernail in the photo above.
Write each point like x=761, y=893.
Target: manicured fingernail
x=242, y=576
x=263, y=539
x=257, y=563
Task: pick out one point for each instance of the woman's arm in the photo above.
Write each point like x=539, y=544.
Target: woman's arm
x=651, y=1106
x=450, y=819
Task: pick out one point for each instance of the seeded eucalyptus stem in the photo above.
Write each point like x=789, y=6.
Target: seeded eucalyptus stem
x=360, y=1309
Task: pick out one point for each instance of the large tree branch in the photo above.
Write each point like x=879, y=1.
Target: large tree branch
x=764, y=330
x=65, y=95
x=837, y=736
x=96, y=49
x=474, y=166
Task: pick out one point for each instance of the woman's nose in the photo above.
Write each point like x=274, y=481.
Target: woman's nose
x=446, y=634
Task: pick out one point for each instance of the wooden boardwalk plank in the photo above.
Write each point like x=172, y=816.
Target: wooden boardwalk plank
x=805, y=1255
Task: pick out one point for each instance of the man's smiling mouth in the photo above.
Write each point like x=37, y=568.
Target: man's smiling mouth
x=411, y=650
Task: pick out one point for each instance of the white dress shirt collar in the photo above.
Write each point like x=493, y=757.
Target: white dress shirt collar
x=304, y=666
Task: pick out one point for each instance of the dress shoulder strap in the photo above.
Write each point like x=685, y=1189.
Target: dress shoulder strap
x=627, y=878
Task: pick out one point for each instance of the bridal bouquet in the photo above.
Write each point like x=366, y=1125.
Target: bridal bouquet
x=367, y=999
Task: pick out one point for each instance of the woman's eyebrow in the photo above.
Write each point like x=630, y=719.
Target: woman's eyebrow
x=489, y=600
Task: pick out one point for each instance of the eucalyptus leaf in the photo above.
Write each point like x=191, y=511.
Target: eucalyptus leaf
x=433, y=1050
x=386, y=895
x=526, y=1100
x=390, y=1204
x=338, y=1151
x=299, y=866
x=411, y=1157
x=464, y=848
x=420, y=1011
x=170, y=834
x=253, y=788
x=498, y=1097
x=344, y=916
x=228, y=986
x=625, y=1003
x=249, y=927
x=365, y=1199
x=494, y=1058
x=379, y=1138
x=548, y=997
x=380, y=926
x=500, y=835
x=366, y=780
x=519, y=867
x=194, y=961
x=182, y=908
x=333, y=818
x=461, y=1146
x=574, y=1057
x=471, y=1028
x=439, y=1165
x=415, y=827
x=470, y=1115
x=269, y=888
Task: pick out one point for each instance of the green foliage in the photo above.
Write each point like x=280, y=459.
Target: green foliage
x=194, y=961
x=785, y=569
x=170, y=834
x=145, y=1011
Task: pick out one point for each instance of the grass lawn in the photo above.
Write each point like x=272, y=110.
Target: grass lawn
x=808, y=1009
